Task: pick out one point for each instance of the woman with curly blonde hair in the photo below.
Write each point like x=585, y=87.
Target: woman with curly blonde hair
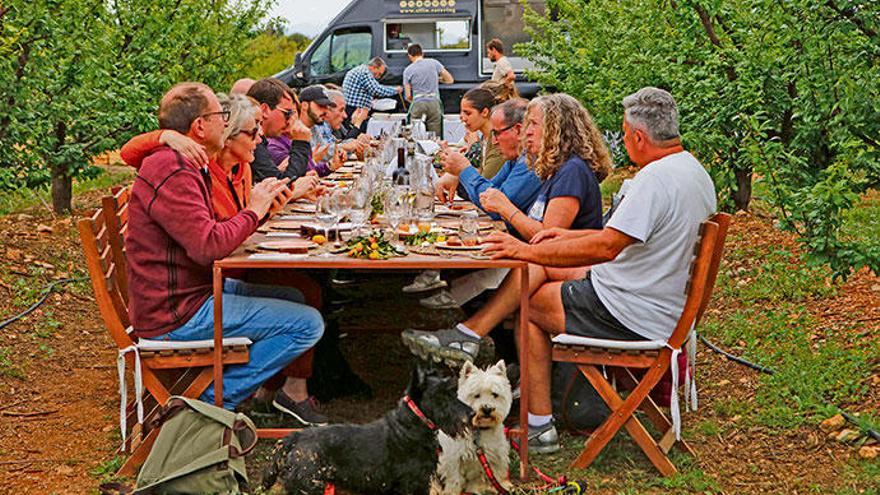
x=567, y=152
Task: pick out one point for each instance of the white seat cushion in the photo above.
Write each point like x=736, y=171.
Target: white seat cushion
x=170, y=345
x=630, y=345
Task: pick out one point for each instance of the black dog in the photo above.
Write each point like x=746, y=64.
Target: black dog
x=393, y=455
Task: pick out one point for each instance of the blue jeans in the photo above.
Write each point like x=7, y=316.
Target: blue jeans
x=273, y=317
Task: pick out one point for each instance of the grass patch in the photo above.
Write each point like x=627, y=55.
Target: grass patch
x=862, y=222
x=7, y=367
x=107, y=469
x=24, y=198
x=815, y=365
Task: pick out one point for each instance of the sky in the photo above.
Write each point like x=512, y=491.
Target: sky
x=308, y=17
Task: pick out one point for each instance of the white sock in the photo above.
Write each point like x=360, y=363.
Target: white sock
x=467, y=331
x=537, y=420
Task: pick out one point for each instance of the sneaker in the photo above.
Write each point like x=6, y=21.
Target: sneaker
x=441, y=300
x=425, y=281
x=448, y=344
x=543, y=439
x=306, y=412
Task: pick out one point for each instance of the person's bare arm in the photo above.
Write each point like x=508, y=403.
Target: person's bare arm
x=560, y=212
x=510, y=76
x=559, y=233
x=586, y=250
x=408, y=89
x=446, y=77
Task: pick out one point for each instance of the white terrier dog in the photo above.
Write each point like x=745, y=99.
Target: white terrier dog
x=459, y=470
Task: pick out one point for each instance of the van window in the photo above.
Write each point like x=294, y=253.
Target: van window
x=433, y=35
x=502, y=19
x=344, y=49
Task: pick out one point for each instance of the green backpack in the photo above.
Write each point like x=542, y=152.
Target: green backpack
x=200, y=449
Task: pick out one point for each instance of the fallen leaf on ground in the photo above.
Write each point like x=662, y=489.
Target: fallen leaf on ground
x=44, y=229
x=833, y=423
x=869, y=452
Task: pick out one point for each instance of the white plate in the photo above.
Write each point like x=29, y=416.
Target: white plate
x=443, y=245
x=303, y=207
x=285, y=245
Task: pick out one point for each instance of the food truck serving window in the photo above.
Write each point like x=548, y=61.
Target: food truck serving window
x=433, y=35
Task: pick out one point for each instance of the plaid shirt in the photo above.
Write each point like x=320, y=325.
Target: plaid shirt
x=360, y=87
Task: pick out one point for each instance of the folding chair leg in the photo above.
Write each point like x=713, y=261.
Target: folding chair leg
x=658, y=419
x=139, y=456
x=199, y=384
x=621, y=415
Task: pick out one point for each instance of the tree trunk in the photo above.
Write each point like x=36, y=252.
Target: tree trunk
x=742, y=195
x=62, y=189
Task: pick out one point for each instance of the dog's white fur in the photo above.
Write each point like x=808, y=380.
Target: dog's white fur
x=459, y=470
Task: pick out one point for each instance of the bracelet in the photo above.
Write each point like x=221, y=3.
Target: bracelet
x=510, y=220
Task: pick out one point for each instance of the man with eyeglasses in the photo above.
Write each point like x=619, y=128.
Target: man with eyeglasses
x=279, y=119
x=514, y=181
x=173, y=240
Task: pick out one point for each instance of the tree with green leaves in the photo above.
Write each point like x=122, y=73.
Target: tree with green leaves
x=79, y=77
x=785, y=91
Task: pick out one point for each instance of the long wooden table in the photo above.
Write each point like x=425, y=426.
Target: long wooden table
x=241, y=259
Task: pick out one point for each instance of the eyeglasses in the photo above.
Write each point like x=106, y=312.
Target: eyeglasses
x=251, y=133
x=287, y=113
x=224, y=114
x=502, y=131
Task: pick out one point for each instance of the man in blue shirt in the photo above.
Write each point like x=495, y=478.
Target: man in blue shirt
x=361, y=87
x=515, y=180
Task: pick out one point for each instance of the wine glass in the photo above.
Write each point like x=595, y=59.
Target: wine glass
x=395, y=211
x=326, y=215
x=361, y=206
x=342, y=207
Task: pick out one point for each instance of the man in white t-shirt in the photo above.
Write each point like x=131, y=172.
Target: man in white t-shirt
x=640, y=260
x=503, y=70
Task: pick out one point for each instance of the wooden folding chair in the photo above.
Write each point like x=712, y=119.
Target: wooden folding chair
x=656, y=357
x=116, y=215
x=166, y=368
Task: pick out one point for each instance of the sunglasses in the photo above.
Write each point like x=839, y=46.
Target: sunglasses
x=224, y=114
x=287, y=113
x=251, y=133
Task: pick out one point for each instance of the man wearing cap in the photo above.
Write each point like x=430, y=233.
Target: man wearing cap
x=421, y=80
x=361, y=86
x=315, y=107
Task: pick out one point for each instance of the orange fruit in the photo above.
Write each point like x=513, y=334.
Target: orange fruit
x=319, y=239
x=374, y=255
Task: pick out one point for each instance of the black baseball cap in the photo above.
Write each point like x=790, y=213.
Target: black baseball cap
x=317, y=94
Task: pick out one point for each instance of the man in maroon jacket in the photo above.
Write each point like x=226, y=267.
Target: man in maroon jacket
x=173, y=240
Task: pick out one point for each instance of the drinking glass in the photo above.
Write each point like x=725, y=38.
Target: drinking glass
x=468, y=229
x=326, y=215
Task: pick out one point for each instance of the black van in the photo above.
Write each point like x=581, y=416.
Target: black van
x=454, y=32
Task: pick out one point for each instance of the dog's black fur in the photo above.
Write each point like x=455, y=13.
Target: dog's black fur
x=393, y=455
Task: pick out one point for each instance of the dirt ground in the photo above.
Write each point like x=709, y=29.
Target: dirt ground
x=59, y=398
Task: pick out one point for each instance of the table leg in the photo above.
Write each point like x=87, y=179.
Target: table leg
x=524, y=373
x=218, y=336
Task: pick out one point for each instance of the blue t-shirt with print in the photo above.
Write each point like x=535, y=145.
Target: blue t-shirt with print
x=575, y=178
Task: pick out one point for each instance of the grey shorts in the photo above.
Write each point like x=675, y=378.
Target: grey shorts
x=586, y=316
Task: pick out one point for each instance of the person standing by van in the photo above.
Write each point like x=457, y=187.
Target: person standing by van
x=421, y=81
x=360, y=86
x=503, y=70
